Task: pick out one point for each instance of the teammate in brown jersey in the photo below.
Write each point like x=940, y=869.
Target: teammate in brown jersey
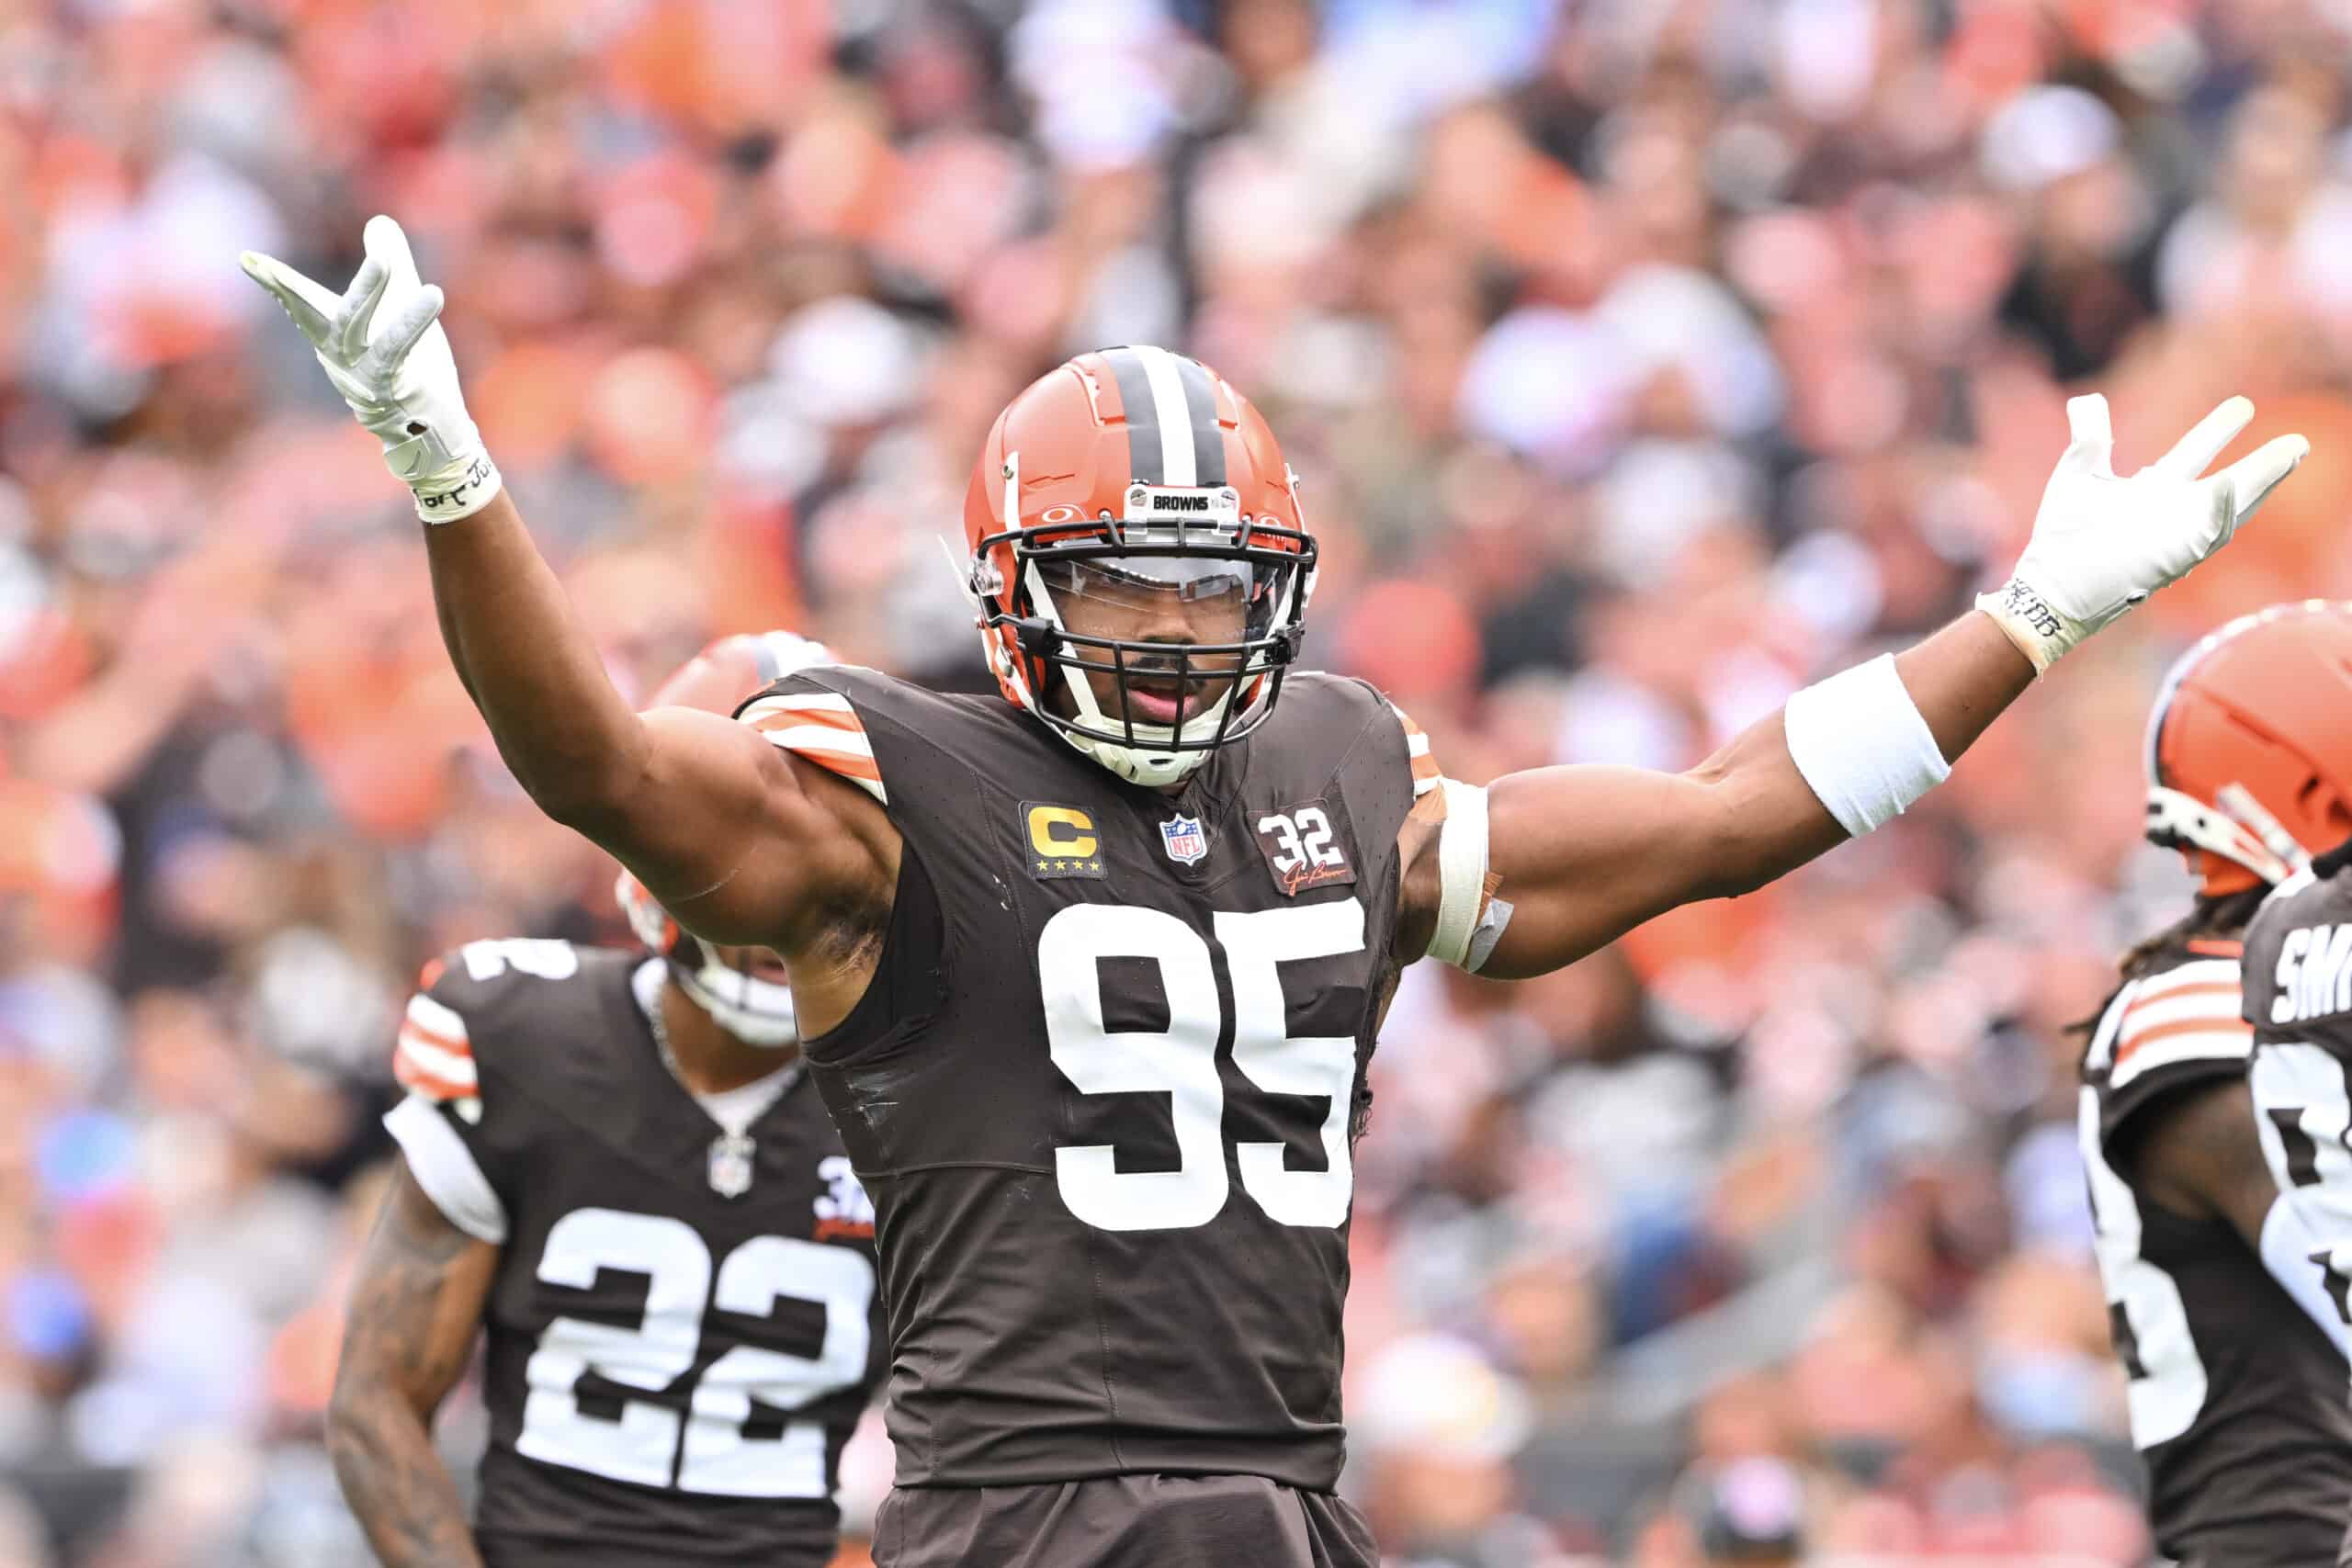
x=1090, y=974
x=2237, y=1380
x=612, y=1168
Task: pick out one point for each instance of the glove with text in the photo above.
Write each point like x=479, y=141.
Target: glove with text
x=382, y=345
x=2101, y=544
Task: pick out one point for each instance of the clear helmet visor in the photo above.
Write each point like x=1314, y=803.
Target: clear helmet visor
x=1220, y=599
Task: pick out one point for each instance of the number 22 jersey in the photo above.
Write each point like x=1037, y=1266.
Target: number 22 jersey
x=678, y=1342
x=1105, y=1083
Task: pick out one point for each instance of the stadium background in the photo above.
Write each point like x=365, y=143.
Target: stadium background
x=1643, y=361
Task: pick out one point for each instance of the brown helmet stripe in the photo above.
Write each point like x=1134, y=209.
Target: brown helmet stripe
x=1200, y=412
x=1146, y=462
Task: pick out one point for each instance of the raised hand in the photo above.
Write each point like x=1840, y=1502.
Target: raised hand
x=2102, y=543
x=382, y=346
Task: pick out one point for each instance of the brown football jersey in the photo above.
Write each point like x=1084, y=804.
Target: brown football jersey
x=1103, y=1088
x=683, y=1330
x=2237, y=1398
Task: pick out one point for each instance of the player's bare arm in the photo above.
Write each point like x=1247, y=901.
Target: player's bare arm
x=1554, y=863
x=745, y=844
x=741, y=841
x=1587, y=852
x=2196, y=1152
x=415, y=1310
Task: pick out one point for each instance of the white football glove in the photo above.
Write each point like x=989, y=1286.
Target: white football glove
x=383, y=348
x=2102, y=544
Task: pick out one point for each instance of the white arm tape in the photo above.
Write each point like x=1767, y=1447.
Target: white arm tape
x=1862, y=746
x=1468, y=922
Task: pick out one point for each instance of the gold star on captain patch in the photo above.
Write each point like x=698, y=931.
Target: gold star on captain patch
x=1044, y=866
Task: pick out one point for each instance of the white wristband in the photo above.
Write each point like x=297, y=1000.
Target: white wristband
x=1862, y=746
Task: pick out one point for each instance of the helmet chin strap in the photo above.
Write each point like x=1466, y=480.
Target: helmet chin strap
x=757, y=1012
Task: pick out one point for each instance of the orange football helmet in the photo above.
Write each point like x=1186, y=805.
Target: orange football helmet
x=2250, y=746
x=755, y=1010
x=1140, y=467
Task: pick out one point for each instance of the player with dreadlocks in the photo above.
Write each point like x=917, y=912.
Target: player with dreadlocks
x=2218, y=1315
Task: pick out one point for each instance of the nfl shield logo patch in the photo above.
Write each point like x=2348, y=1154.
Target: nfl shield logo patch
x=1187, y=845
x=732, y=1158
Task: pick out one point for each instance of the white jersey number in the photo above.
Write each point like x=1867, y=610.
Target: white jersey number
x=2149, y=1320
x=546, y=958
x=708, y=1451
x=2303, y=1102
x=1180, y=1061
x=1304, y=838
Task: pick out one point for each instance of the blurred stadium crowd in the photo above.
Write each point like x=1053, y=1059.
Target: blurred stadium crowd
x=1642, y=360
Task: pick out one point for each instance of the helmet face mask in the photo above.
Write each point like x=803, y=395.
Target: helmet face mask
x=1152, y=706
x=756, y=1011
x=1147, y=623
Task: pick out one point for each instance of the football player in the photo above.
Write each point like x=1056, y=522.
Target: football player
x=613, y=1167
x=2237, y=1383
x=1088, y=976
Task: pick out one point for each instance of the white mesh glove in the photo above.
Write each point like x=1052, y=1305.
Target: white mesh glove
x=383, y=348
x=2102, y=544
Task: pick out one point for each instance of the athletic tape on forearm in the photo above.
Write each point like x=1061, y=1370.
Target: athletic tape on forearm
x=1468, y=922
x=458, y=492
x=2025, y=618
x=1862, y=746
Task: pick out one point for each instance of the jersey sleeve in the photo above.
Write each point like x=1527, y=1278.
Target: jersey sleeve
x=438, y=1126
x=820, y=725
x=2169, y=1029
x=1426, y=773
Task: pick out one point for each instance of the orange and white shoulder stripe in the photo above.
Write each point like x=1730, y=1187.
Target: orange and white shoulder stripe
x=434, y=1057
x=823, y=727
x=1426, y=772
x=2185, y=1014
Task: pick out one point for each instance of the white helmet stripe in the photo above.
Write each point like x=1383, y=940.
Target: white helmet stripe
x=1177, y=466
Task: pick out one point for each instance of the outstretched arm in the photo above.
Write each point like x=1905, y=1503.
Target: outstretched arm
x=1587, y=853
x=415, y=1310
x=1581, y=856
x=738, y=840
